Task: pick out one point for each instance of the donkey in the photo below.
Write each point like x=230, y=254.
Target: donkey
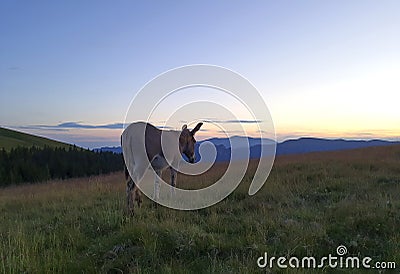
x=141, y=135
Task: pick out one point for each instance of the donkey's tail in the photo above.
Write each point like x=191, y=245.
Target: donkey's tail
x=126, y=172
x=125, y=168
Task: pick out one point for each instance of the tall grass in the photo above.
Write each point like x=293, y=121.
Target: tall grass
x=310, y=205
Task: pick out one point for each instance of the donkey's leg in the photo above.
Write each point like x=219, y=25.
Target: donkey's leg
x=173, y=180
x=156, y=195
x=130, y=185
x=138, y=196
x=140, y=170
x=132, y=191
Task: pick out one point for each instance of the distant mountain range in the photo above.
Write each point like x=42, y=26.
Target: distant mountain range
x=305, y=145
x=262, y=147
x=258, y=147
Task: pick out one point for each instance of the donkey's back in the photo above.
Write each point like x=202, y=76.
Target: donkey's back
x=141, y=135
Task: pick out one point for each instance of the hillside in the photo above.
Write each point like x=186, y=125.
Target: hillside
x=30, y=159
x=11, y=139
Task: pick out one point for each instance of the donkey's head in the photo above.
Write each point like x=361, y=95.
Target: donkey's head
x=187, y=141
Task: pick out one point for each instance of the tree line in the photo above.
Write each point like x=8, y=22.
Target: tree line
x=34, y=164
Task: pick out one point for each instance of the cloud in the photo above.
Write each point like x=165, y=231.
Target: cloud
x=216, y=121
x=232, y=121
x=164, y=127
x=85, y=126
x=33, y=127
x=78, y=125
x=14, y=68
x=73, y=125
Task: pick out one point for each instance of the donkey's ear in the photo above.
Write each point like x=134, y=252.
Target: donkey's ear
x=184, y=127
x=198, y=126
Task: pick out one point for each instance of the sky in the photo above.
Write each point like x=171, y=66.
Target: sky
x=69, y=69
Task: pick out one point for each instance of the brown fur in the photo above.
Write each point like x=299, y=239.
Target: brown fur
x=133, y=192
x=153, y=148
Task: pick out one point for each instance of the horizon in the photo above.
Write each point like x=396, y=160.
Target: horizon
x=328, y=70
x=291, y=138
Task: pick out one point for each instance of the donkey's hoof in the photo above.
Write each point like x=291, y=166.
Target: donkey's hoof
x=154, y=205
x=129, y=212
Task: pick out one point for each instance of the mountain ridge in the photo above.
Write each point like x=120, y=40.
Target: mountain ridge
x=292, y=146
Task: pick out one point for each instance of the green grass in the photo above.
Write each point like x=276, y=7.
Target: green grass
x=11, y=139
x=310, y=205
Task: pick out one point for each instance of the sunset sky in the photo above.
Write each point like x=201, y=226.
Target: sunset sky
x=69, y=69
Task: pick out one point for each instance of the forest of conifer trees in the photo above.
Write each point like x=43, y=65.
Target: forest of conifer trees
x=22, y=164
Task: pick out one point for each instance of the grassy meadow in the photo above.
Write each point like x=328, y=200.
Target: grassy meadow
x=11, y=139
x=309, y=206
